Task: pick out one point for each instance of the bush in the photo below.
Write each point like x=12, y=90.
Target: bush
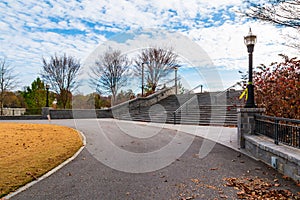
x=277, y=88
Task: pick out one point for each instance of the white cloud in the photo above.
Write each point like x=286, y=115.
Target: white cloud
x=27, y=29
x=225, y=45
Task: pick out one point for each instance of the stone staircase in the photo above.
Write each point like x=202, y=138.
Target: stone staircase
x=201, y=109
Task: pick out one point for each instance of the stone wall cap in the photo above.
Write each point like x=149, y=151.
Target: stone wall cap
x=290, y=153
x=251, y=110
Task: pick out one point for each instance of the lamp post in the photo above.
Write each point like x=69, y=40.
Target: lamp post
x=143, y=79
x=47, y=95
x=250, y=41
x=175, y=69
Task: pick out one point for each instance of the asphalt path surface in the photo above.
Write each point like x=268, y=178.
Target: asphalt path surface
x=95, y=175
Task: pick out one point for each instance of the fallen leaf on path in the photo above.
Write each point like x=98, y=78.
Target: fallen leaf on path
x=286, y=177
x=194, y=180
x=187, y=198
x=223, y=196
x=257, y=188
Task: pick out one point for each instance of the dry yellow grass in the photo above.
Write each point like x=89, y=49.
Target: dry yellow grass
x=28, y=151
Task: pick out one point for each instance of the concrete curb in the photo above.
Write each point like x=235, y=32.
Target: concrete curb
x=52, y=171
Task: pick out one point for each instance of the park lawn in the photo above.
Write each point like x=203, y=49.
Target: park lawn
x=28, y=151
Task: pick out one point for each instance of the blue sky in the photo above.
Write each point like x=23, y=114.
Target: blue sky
x=30, y=30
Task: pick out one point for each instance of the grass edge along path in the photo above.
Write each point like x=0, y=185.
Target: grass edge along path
x=27, y=151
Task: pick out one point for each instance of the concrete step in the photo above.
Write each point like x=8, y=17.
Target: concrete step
x=199, y=109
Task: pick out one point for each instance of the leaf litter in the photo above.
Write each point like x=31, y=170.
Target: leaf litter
x=259, y=189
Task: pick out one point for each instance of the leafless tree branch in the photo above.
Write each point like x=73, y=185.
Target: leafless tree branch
x=61, y=73
x=158, y=62
x=8, y=81
x=109, y=73
x=280, y=12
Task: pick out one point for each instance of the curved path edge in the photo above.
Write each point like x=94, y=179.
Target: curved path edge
x=52, y=171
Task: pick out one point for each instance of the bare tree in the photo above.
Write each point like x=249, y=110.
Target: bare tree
x=8, y=81
x=280, y=12
x=61, y=73
x=158, y=63
x=109, y=73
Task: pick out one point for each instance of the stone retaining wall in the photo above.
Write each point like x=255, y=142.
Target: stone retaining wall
x=246, y=123
x=113, y=112
x=80, y=114
x=285, y=159
x=13, y=111
x=18, y=113
x=21, y=117
x=140, y=102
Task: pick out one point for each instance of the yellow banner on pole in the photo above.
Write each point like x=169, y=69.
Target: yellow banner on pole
x=245, y=92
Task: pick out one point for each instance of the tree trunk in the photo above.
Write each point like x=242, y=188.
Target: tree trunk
x=113, y=98
x=153, y=88
x=1, y=108
x=1, y=103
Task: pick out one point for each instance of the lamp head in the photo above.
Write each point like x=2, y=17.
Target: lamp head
x=250, y=39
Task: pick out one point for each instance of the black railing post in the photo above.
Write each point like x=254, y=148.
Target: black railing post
x=276, y=132
x=298, y=137
x=279, y=130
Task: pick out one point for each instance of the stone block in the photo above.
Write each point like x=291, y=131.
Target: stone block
x=263, y=149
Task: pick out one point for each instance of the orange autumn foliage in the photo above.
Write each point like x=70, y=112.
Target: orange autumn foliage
x=277, y=88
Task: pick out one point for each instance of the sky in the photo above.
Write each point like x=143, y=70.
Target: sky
x=31, y=30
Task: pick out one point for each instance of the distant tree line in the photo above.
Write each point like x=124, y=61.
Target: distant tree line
x=112, y=69
x=108, y=76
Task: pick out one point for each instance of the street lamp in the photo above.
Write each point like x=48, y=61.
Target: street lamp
x=175, y=69
x=250, y=41
x=143, y=79
x=47, y=95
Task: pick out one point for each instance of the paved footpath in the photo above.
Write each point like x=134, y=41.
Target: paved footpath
x=128, y=160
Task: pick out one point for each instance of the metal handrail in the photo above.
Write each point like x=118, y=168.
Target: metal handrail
x=169, y=81
x=297, y=121
x=136, y=98
x=278, y=129
x=156, y=92
x=188, y=101
x=185, y=103
x=222, y=92
x=219, y=94
x=188, y=92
